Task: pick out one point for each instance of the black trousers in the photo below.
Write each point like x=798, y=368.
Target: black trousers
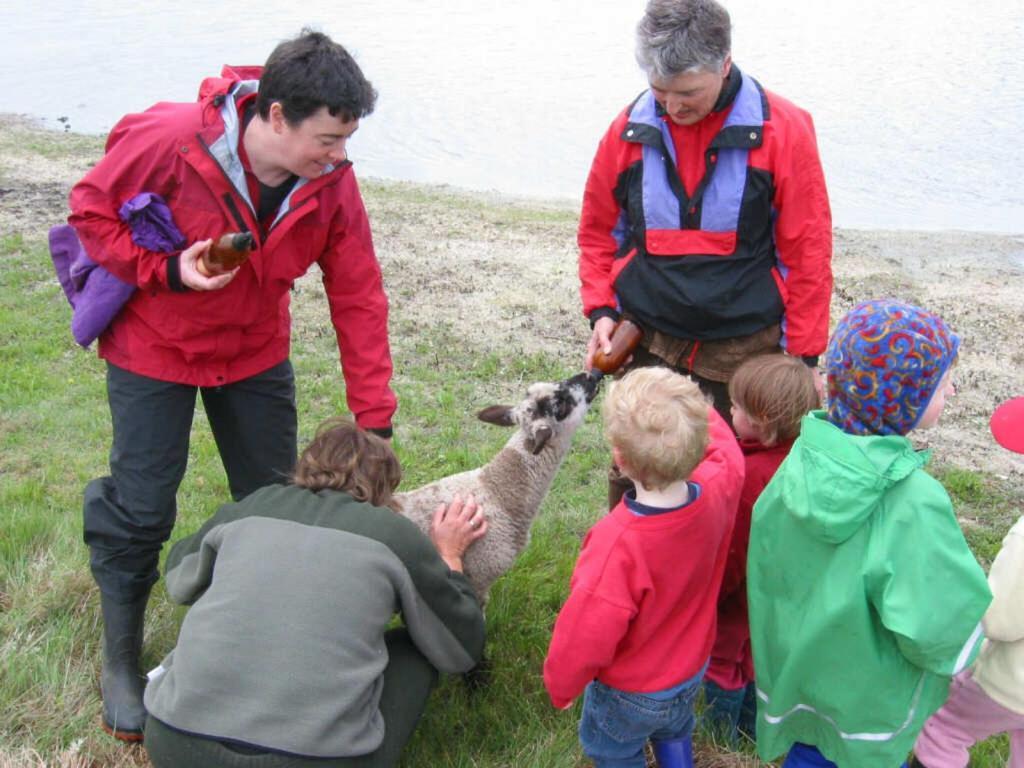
x=408, y=680
x=129, y=514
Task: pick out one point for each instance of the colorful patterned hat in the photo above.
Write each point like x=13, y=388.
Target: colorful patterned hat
x=884, y=362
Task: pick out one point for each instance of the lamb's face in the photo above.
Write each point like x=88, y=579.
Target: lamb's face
x=551, y=409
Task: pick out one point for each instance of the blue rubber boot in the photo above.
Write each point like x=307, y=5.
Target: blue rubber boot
x=806, y=756
x=675, y=753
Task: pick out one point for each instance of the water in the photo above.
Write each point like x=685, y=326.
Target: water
x=918, y=105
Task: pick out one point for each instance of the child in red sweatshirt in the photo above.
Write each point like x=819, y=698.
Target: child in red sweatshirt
x=770, y=395
x=637, y=628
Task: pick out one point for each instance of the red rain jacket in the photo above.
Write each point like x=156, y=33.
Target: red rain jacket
x=212, y=338
x=791, y=208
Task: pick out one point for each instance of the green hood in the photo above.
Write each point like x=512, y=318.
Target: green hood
x=840, y=479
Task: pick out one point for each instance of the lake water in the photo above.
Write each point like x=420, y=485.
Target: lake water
x=919, y=106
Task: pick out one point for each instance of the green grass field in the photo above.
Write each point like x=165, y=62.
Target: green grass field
x=54, y=437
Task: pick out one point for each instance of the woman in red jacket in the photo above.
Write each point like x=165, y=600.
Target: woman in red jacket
x=705, y=215
x=262, y=151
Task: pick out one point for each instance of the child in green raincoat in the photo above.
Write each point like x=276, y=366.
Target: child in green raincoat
x=864, y=596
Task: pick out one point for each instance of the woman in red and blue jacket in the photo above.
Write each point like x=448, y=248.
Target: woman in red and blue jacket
x=705, y=216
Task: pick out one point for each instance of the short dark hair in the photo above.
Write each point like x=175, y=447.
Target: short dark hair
x=312, y=71
x=344, y=457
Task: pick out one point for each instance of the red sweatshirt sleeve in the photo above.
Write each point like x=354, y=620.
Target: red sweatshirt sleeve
x=722, y=474
x=721, y=471
x=359, y=312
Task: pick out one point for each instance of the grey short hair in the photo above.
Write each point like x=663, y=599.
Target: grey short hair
x=677, y=36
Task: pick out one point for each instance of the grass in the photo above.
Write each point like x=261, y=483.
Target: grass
x=50, y=145
x=54, y=436
x=986, y=505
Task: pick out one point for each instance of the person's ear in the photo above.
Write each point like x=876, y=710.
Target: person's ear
x=277, y=119
x=727, y=66
x=617, y=458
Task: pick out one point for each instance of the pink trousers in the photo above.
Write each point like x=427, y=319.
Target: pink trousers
x=967, y=717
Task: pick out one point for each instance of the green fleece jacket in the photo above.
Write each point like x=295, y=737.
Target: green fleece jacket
x=292, y=591
x=864, y=598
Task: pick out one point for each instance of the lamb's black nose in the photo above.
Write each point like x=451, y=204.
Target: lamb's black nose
x=592, y=383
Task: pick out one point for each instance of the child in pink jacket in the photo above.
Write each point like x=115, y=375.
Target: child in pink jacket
x=988, y=698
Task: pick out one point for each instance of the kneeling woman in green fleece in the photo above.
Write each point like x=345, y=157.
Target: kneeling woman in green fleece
x=285, y=657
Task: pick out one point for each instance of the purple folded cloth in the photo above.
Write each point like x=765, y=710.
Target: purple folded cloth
x=152, y=223
x=95, y=295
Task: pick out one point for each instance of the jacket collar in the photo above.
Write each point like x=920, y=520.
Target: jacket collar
x=222, y=144
x=726, y=96
x=729, y=90
x=743, y=128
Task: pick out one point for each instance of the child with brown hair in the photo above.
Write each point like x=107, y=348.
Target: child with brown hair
x=637, y=628
x=770, y=396
x=285, y=657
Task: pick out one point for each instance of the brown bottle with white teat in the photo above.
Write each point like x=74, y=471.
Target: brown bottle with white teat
x=626, y=335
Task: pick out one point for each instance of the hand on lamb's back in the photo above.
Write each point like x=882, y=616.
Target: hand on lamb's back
x=510, y=488
x=454, y=527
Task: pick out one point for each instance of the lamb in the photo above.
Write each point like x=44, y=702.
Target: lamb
x=511, y=487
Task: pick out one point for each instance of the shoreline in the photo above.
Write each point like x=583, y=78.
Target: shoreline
x=500, y=270
x=60, y=126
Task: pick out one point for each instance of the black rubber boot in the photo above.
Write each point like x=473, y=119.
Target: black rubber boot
x=121, y=683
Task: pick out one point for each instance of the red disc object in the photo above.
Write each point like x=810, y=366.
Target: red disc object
x=1007, y=424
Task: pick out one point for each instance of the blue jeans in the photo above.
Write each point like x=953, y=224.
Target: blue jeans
x=616, y=725
x=806, y=756
x=730, y=713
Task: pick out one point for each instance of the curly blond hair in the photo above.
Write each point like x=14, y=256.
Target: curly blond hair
x=344, y=457
x=775, y=391
x=658, y=421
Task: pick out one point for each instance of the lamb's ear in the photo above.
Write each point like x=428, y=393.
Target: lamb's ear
x=497, y=414
x=535, y=443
